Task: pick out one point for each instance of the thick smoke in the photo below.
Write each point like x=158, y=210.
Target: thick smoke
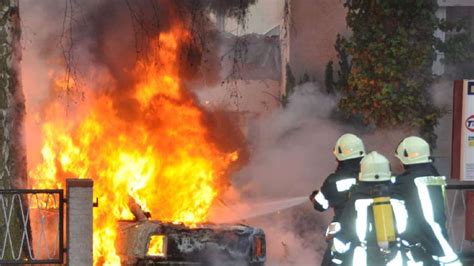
x=291, y=155
x=290, y=149
x=91, y=47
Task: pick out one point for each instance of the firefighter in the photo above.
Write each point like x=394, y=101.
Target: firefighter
x=349, y=150
x=422, y=189
x=372, y=221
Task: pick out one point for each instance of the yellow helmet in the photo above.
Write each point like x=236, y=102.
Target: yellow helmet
x=348, y=146
x=413, y=150
x=374, y=167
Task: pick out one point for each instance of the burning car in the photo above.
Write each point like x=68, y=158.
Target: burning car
x=146, y=136
x=154, y=242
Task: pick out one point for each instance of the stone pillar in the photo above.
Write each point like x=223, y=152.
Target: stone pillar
x=79, y=221
x=285, y=41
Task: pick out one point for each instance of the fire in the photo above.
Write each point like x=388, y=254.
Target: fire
x=156, y=246
x=156, y=150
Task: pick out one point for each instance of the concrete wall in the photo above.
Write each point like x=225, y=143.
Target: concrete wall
x=313, y=27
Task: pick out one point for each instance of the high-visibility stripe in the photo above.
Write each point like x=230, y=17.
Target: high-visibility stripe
x=333, y=228
x=431, y=180
x=340, y=246
x=401, y=214
x=449, y=255
x=360, y=257
x=361, y=206
x=322, y=200
x=345, y=184
x=397, y=261
x=434, y=181
x=452, y=263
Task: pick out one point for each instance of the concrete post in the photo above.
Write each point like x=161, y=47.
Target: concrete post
x=79, y=221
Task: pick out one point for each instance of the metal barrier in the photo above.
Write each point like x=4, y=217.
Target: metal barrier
x=31, y=226
x=456, y=216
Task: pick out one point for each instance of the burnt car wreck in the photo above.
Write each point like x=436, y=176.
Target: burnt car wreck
x=157, y=243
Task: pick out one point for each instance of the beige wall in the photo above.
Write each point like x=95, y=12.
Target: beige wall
x=262, y=16
x=313, y=27
x=251, y=97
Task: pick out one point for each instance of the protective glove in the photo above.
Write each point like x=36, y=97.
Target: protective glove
x=313, y=194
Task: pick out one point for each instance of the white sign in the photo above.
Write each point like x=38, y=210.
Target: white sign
x=467, y=131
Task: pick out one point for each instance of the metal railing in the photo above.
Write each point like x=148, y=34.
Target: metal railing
x=456, y=211
x=31, y=226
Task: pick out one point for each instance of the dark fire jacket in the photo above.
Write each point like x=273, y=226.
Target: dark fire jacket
x=422, y=189
x=358, y=225
x=335, y=190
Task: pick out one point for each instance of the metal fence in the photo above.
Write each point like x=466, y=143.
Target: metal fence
x=31, y=227
x=456, y=217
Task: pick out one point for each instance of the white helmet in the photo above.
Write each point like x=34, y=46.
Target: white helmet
x=374, y=167
x=348, y=146
x=413, y=150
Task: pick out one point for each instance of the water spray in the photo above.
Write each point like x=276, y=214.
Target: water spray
x=246, y=210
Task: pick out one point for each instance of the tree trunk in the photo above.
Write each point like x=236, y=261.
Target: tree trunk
x=12, y=111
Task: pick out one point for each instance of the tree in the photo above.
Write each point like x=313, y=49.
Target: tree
x=12, y=111
x=391, y=52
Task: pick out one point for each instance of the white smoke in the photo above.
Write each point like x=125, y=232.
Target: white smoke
x=286, y=142
x=291, y=155
x=291, y=148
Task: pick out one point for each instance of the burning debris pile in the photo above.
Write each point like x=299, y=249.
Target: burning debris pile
x=136, y=130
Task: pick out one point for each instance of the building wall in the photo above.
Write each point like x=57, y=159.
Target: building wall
x=262, y=16
x=455, y=3
x=313, y=27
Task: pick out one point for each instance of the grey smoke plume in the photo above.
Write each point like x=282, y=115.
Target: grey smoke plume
x=286, y=142
x=95, y=44
x=442, y=92
x=291, y=155
x=291, y=149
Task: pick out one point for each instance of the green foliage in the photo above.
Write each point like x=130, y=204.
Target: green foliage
x=392, y=48
x=329, y=78
x=291, y=83
x=305, y=78
x=344, y=68
x=289, y=86
x=456, y=48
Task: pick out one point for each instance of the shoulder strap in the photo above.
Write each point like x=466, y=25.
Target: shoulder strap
x=430, y=181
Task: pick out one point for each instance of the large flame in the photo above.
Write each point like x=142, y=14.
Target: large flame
x=160, y=154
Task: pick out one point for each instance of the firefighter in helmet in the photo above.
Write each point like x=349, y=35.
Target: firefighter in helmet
x=349, y=150
x=372, y=221
x=422, y=189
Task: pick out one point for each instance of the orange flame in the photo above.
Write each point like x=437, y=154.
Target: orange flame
x=156, y=245
x=162, y=157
